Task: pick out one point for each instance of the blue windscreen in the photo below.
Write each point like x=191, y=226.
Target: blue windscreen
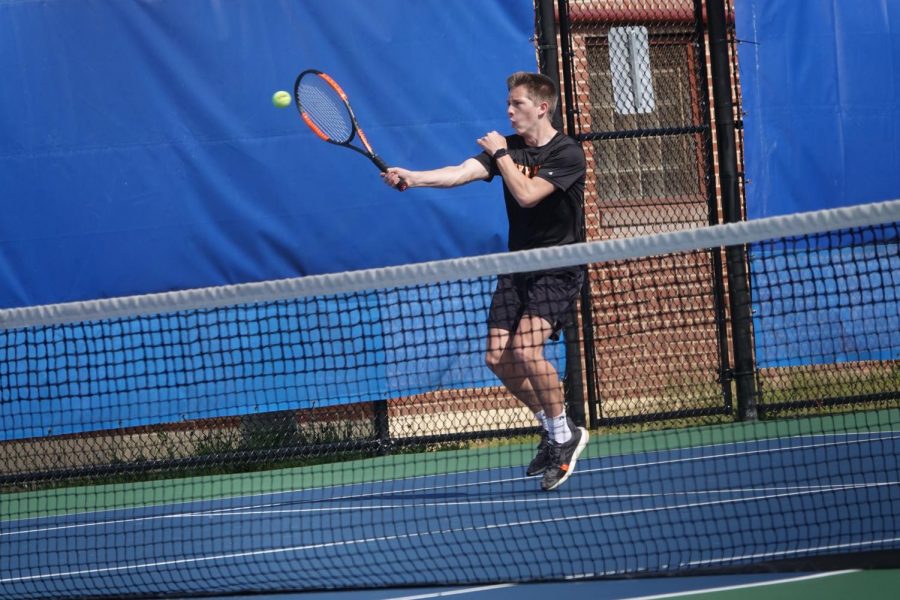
x=821, y=96
x=245, y=359
x=821, y=101
x=142, y=153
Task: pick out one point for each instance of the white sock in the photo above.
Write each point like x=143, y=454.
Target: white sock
x=542, y=419
x=559, y=428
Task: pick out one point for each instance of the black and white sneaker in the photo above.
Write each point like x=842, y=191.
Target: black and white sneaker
x=541, y=460
x=563, y=458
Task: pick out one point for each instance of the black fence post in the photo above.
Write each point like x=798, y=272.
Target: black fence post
x=548, y=51
x=381, y=422
x=548, y=54
x=726, y=373
x=735, y=256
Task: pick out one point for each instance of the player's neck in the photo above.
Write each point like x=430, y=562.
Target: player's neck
x=541, y=135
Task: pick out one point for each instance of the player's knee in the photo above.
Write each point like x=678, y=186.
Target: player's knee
x=527, y=354
x=493, y=360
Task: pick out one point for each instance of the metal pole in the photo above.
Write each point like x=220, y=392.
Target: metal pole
x=735, y=256
x=726, y=373
x=548, y=52
x=549, y=65
x=587, y=317
x=567, y=65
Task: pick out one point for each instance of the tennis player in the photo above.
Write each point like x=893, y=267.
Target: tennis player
x=543, y=175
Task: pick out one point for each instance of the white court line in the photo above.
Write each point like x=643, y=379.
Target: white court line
x=272, y=509
x=743, y=586
x=664, y=508
x=781, y=553
x=414, y=535
x=795, y=491
x=382, y=493
x=598, y=469
x=728, y=455
x=454, y=592
x=878, y=437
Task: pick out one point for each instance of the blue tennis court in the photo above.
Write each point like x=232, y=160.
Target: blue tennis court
x=704, y=506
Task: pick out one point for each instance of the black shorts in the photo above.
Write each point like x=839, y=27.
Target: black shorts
x=547, y=294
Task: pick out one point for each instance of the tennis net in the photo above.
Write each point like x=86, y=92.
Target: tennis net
x=740, y=383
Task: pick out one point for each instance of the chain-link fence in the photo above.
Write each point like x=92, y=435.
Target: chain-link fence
x=637, y=93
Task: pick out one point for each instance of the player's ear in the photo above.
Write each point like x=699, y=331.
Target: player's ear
x=544, y=108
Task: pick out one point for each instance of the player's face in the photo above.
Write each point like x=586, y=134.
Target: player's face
x=522, y=111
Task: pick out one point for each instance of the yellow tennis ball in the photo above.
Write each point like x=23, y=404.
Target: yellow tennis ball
x=281, y=99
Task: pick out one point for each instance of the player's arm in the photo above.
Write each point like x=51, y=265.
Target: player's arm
x=445, y=177
x=528, y=191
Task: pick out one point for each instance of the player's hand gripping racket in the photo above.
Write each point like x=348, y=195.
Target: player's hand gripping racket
x=326, y=110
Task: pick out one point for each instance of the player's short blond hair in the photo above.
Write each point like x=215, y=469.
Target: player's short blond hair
x=540, y=87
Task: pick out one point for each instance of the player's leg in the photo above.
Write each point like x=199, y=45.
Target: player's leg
x=506, y=308
x=550, y=296
x=525, y=356
x=501, y=360
x=566, y=440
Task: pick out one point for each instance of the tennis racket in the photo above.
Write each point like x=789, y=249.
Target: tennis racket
x=324, y=107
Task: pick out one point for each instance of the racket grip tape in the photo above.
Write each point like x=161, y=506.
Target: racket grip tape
x=383, y=166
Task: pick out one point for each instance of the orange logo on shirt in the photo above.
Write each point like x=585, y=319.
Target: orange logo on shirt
x=527, y=171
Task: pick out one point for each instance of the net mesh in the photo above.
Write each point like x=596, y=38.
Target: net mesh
x=347, y=433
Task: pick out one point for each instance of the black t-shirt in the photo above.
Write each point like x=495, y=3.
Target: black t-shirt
x=557, y=219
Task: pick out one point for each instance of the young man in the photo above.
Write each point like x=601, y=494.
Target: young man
x=543, y=175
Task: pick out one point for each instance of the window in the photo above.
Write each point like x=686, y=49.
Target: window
x=643, y=162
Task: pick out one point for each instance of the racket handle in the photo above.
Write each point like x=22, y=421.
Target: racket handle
x=379, y=163
x=401, y=187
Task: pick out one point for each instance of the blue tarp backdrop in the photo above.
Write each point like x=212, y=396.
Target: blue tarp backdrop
x=821, y=93
x=141, y=151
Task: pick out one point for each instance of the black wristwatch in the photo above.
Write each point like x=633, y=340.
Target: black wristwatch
x=500, y=153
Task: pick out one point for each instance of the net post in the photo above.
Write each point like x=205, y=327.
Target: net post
x=735, y=256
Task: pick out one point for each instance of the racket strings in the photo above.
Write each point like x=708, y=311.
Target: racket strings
x=322, y=104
